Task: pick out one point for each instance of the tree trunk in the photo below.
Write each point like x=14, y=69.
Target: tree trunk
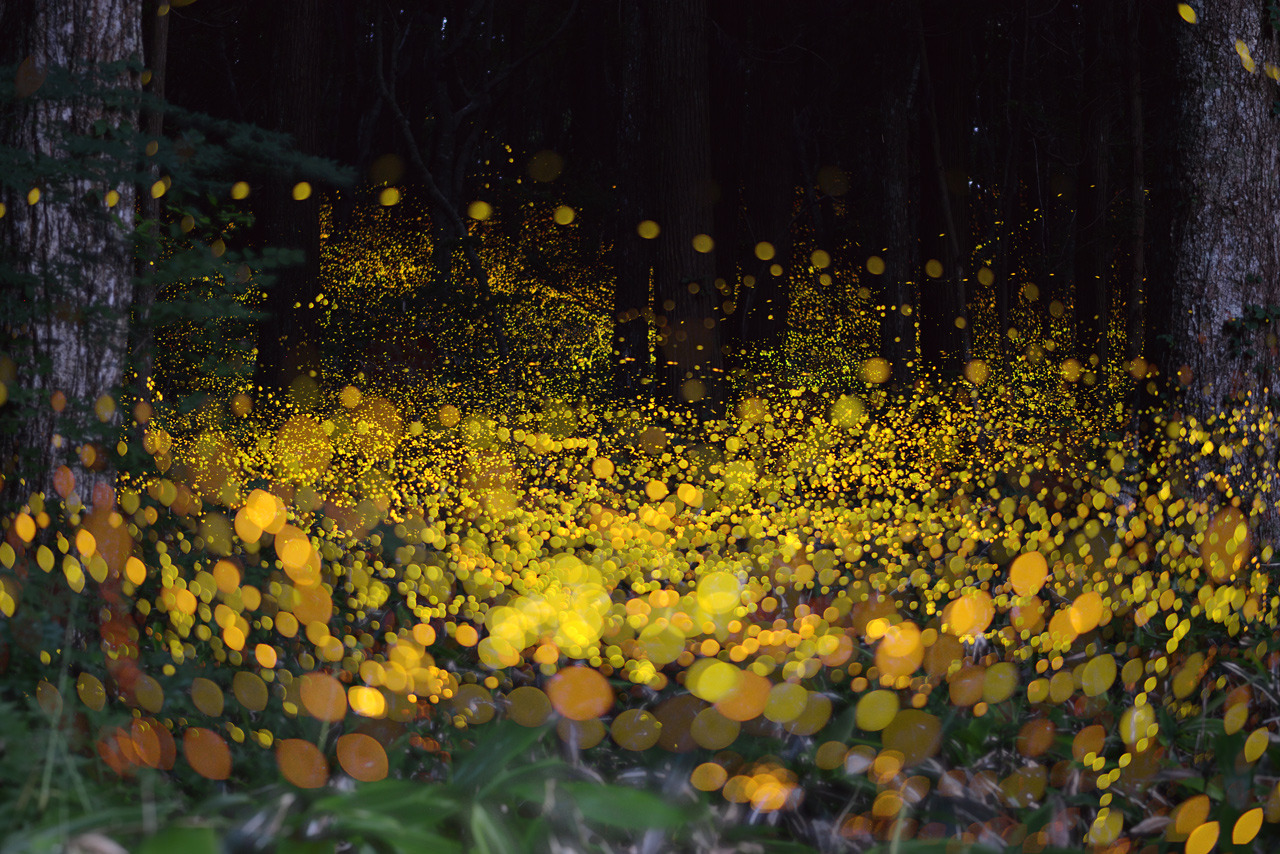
x=889, y=179
x=1015, y=107
x=285, y=337
x=1092, y=233
x=768, y=196
x=69, y=248
x=630, y=255
x=690, y=363
x=1135, y=315
x=945, y=138
x=1225, y=248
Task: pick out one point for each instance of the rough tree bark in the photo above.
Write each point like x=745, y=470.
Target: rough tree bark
x=1224, y=192
x=73, y=252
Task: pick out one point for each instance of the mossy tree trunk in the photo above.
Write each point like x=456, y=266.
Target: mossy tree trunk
x=66, y=310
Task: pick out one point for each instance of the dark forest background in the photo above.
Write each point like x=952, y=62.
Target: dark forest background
x=832, y=195
x=1012, y=143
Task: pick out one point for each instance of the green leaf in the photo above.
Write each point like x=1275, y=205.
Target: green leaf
x=488, y=835
x=188, y=840
x=414, y=804
x=502, y=743
x=398, y=836
x=52, y=838
x=767, y=838
x=305, y=846
x=624, y=807
x=537, y=773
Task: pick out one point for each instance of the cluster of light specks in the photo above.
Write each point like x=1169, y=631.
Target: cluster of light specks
x=868, y=581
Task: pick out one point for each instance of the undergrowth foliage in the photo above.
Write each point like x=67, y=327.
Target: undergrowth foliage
x=855, y=617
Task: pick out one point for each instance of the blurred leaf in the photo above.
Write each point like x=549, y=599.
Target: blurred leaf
x=413, y=804
x=766, y=838
x=182, y=840
x=489, y=834
x=52, y=838
x=305, y=846
x=398, y=836
x=537, y=772
x=503, y=742
x=623, y=807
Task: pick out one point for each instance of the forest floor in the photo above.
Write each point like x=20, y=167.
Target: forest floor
x=831, y=622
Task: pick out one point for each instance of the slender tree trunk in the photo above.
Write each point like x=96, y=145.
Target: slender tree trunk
x=72, y=252
x=155, y=33
x=944, y=333
x=768, y=182
x=1092, y=243
x=690, y=363
x=1011, y=181
x=632, y=267
x=1225, y=247
x=286, y=345
x=1135, y=315
x=884, y=91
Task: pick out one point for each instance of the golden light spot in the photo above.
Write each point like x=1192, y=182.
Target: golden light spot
x=876, y=710
x=301, y=763
x=265, y=655
x=708, y=777
x=206, y=753
x=467, y=635
x=875, y=370
x=362, y=757
x=1203, y=839
x=1247, y=826
x=528, y=706
x=1027, y=573
x=635, y=730
x=545, y=166
x=580, y=693
x=976, y=371
x=323, y=696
